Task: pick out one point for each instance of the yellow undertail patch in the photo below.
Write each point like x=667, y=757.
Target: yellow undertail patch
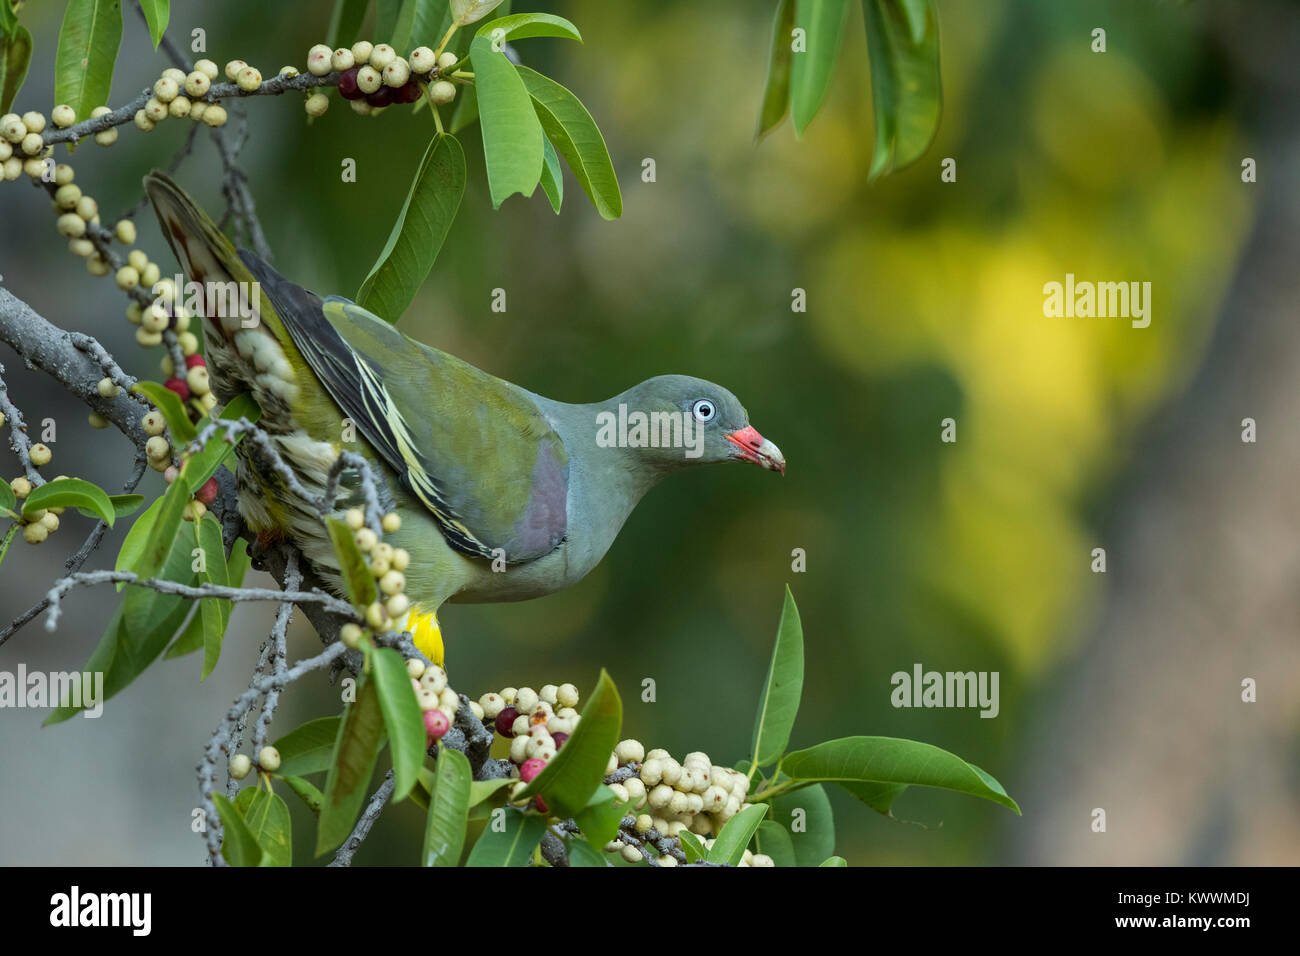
x=427, y=634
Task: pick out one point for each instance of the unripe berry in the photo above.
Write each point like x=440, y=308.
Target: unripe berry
x=166, y=89
x=427, y=699
x=422, y=60
x=97, y=421
x=34, y=121
x=652, y=772
x=435, y=679
x=107, y=388
x=382, y=55
x=39, y=454
x=361, y=51
x=240, y=765
x=143, y=122
x=350, y=634
x=631, y=854
x=197, y=109
x=171, y=473
x=13, y=167
x=197, y=380
x=525, y=700
x=179, y=107
x=207, y=68
x=442, y=91
x=366, y=540
x=143, y=336
x=354, y=518
x=505, y=721
x=158, y=448
x=127, y=278
x=401, y=559
x=214, y=115
x=391, y=522
x=155, y=319
x=492, y=705
x=197, y=84
x=233, y=67
x=66, y=197
x=248, y=79
x=436, y=725
x=368, y=79
x=269, y=759
x=566, y=695
x=172, y=73
x=447, y=60
x=155, y=109
x=34, y=167
x=13, y=128
x=87, y=208
x=320, y=60
x=414, y=667
x=342, y=59
x=289, y=71
x=63, y=115
x=125, y=231
x=32, y=144
x=476, y=709
x=397, y=73
x=6, y=150
x=376, y=616
x=106, y=137
x=548, y=693
x=71, y=225
x=21, y=487
x=317, y=104
x=397, y=605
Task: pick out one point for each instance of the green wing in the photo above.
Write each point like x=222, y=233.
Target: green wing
x=473, y=448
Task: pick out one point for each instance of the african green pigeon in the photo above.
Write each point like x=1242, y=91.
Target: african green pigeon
x=503, y=494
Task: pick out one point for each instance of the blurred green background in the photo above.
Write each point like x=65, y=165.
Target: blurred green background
x=924, y=302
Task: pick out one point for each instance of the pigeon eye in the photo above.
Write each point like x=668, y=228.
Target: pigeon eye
x=704, y=410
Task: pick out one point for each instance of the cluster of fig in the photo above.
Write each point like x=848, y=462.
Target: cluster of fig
x=388, y=565
x=373, y=76
x=43, y=522
x=181, y=95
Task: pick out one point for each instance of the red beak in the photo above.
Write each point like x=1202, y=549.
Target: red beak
x=754, y=447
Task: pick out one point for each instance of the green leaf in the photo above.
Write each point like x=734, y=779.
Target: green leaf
x=810, y=74
x=512, y=135
x=834, y=861
x=903, y=45
x=161, y=532
x=87, y=50
x=156, y=14
x=267, y=817
x=238, y=845
x=169, y=404
x=600, y=818
x=203, y=464
x=732, y=840
x=776, y=93
x=386, y=14
x=309, y=748
x=877, y=769
x=448, y=816
x=520, y=26
x=306, y=792
x=582, y=853
x=779, y=704
x=513, y=845
x=466, y=110
x=552, y=176
x=773, y=840
x=577, y=138
x=192, y=637
x=810, y=809
x=15, y=57
x=212, y=616
x=353, y=764
x=692, y=846
x=7, y=540
x=578, y=768
x=466, y=12
x=400, y=38
x=345, y=22
x=402, y=717
x=480, y=790
x=123, y=505
x=421, y=228
x=357, y=579
x=138, y=631
x=8, y=500
x=71, y=493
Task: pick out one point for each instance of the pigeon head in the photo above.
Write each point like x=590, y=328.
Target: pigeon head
x=677, y=420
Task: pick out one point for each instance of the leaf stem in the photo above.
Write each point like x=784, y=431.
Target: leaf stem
x=445, y=37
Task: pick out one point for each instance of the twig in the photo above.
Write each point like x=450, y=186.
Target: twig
x=279, y=652
x=368, y=817
x=18, y=439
